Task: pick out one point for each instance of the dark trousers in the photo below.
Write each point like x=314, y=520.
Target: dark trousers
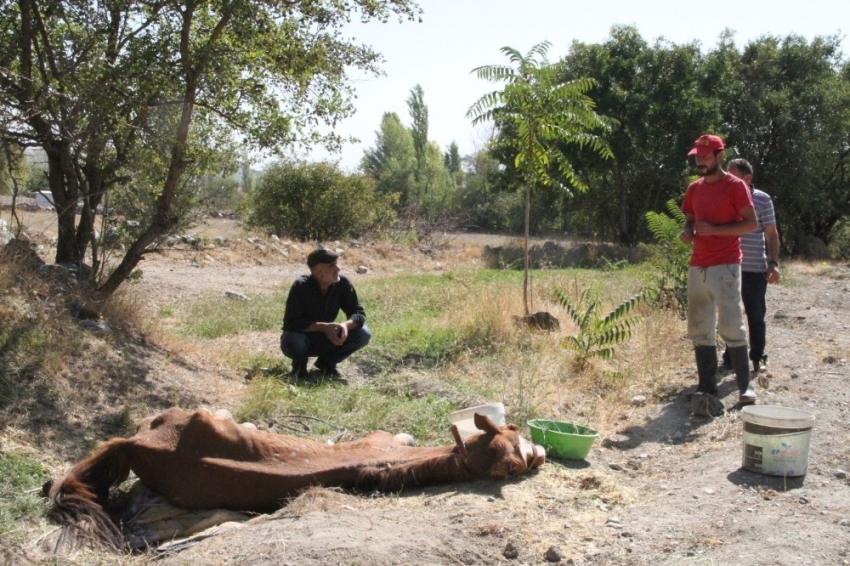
x=298, y=346
x=753, y=291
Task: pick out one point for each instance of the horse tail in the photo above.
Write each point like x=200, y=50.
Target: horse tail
x=78, y=498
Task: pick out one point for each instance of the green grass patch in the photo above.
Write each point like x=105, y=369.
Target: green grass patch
x=21, y=479
x=437, y=316
x=224, y=317
x=339, y=407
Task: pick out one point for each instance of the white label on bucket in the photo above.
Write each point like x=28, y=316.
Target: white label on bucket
x=777, y=455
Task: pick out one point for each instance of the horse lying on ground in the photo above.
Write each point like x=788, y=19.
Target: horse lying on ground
x=203, y=461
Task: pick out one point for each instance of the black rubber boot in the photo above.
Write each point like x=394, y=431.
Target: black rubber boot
x=706, y=369
x=741, y=364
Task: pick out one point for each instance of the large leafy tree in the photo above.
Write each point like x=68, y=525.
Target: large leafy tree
x=544, y=114
x=654, y=91
x=790, y=116
x=103, y=87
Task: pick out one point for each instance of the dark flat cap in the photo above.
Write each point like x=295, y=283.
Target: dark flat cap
x=321, y=255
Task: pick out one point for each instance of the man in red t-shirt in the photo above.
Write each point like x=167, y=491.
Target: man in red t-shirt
x=718, y=208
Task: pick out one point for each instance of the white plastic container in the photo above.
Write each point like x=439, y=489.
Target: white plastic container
x=464, y=419
x=776, y=440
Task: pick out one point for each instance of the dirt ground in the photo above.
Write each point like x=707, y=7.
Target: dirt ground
x=664, y=488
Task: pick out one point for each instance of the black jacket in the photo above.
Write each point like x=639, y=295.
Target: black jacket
x=306, y=304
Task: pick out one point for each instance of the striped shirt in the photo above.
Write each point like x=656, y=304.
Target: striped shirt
x=752, y=244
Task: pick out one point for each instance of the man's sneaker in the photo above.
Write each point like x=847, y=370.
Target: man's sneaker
x=706, y=405
x=326, y=369
x=748, y=397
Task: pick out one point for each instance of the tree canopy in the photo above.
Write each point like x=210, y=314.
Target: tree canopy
x=104, y=87
x=539, y=114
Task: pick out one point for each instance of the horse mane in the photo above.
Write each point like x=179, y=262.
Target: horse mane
x=484, y=454
x=440, y=468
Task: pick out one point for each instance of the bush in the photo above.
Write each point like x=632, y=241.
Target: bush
x=839, y=244
x=317, y=201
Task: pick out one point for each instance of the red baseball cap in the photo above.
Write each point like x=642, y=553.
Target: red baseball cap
x=706, y=144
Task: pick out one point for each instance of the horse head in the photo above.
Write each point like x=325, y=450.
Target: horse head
x=498, y=451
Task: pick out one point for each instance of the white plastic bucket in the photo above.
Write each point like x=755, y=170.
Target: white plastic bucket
x=464, y=419
x=776, y=440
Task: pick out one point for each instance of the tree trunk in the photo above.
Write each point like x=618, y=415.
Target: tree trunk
x=525, y=250
x=163, y=219
x=65, y=204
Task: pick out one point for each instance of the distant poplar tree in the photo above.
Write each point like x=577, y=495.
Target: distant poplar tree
x=419, y=129
x=452, y=158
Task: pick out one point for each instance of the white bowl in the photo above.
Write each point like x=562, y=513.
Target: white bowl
x=464, y=419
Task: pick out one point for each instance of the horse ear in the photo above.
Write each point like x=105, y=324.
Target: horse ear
x=483, y=422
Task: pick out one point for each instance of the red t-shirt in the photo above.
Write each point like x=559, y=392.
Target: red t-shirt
x=717, y=203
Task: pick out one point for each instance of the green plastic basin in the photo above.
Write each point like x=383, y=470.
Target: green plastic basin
x=562, y=440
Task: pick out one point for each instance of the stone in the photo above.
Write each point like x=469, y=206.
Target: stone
x=553, y=554
x=511, y=551
x=362, y=269
x=236, y=295
x=638, y=401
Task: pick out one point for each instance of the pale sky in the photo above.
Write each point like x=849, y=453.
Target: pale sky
x=455, y=36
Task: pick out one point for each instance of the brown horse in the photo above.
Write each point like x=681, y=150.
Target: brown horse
x=203, y=461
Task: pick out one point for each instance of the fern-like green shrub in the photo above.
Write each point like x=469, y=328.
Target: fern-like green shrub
x=670, y=256
x=598, y=334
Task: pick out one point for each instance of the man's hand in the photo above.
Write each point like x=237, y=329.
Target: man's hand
x=772, y=273
x=336, y=333
x=704, y=228
x=686, y=237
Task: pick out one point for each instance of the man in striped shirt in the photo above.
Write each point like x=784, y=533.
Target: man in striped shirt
x=759, y=266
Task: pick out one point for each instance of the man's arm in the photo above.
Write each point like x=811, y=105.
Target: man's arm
x=302, y=312
x=336, y=332
x=771, y=238
x=687, y=233
x=351, y=306
x=747, y=224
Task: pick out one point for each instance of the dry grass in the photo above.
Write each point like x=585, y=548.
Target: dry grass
x=533, y=375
